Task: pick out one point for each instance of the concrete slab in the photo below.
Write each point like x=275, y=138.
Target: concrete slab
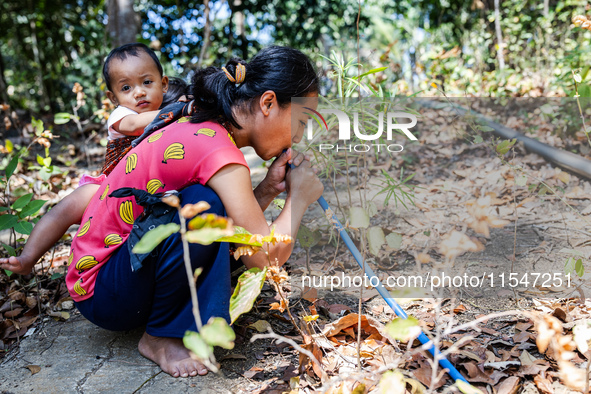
x=78, y=357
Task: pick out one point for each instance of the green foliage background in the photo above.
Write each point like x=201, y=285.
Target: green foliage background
x=47, y=46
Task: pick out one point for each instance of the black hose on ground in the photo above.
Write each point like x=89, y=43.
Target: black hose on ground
x=567, y=160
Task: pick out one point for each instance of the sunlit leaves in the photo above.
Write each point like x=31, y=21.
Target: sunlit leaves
x=153, y=237
x=247, y=290
x=22, y=201
x=217, y=332
x=573, y=266
x=505, y=146
x=62, y=118
x=375, y=238
x=11, y=166
x=307, y=237
x=403, y=329
x=7, y=221
x=195, y=343
x=207, y=228
x=394, y=240
x=467, y=388
x=400, y=190
x=358, y=218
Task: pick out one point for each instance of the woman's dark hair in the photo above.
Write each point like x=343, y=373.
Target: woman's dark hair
x=286, y=71
x=176, y=88
x=122, y=52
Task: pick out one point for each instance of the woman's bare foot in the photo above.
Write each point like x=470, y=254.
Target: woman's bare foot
x=171, y=355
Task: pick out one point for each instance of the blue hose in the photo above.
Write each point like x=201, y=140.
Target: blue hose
x=444, y=362
x=453, y=372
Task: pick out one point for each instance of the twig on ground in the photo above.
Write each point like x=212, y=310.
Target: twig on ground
x=300, y=349
x=473, y=323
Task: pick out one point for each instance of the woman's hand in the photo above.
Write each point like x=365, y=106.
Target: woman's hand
x=274, y=181
x=303, y=185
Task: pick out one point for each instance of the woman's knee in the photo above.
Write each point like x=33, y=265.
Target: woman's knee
x=196, y=193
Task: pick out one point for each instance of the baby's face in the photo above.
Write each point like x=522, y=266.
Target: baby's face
x=136, y=83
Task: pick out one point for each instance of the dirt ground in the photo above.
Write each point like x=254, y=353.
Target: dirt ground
x=471, y=215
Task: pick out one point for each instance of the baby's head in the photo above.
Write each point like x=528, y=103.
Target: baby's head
x=134, y=78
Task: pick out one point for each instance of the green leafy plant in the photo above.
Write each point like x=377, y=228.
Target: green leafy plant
x=397, y=189
x=19, y=216
x=205, y=229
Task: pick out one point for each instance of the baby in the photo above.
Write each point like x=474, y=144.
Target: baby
x=136, y=84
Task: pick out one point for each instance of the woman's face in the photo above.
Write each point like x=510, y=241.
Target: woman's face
x=282, y=127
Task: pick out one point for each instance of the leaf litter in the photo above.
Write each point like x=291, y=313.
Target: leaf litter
x=461, y=184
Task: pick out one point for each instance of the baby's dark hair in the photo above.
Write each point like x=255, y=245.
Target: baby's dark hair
x=122, y=52
x=176, y=89
x=286, y=71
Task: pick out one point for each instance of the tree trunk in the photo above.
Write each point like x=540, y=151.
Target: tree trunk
x=123, y=22
x=230, y=34
x=3, y=84
x=206, y=34
x=45, y=100
x=240, y=30
x=546, y=8
x=500, y=44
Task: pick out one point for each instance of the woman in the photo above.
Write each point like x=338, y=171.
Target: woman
x=239, y=105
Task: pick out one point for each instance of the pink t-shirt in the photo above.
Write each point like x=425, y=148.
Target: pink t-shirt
x=179, y=155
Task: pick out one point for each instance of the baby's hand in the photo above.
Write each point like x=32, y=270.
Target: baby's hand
x=16, y=265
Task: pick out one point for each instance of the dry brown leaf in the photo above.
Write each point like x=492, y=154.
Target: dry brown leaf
x=508, y=386
x=524, y=326
x=245, y=250
x=305, y=361
x=251, y=373
x=233, y=356
x=526, y=358
x=470, y=355
x=562, y=315
x=31, y=302
x=344, y=322
x=423, y=375
x=521, y=337
x=456, y=243
x=260, y=325
x=33, y=368
x=17, y=296
x=544, y=385
x=476, y=374
x=13, y=313
x=337, y=308
x=378, y=309
x=310, y=293
x=423, y=258
x=563, y=176
x=280, y=306
x=460, y=308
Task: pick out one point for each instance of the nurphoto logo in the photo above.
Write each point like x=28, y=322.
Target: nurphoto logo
x=392, y=126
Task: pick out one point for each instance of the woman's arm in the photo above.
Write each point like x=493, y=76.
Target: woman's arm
x=232, y=184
